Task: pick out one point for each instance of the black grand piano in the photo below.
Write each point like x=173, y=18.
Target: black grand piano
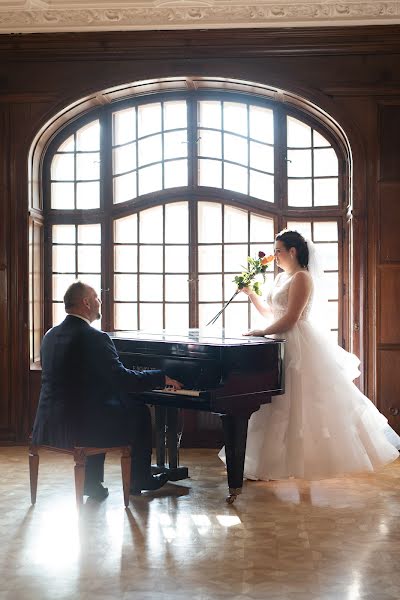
x=225, y=375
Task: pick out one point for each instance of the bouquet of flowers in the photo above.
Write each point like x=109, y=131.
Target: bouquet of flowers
x=255, y=266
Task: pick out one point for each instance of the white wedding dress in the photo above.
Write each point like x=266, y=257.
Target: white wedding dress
x=323, y=426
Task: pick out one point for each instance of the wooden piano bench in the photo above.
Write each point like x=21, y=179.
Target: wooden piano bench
x=79, y=454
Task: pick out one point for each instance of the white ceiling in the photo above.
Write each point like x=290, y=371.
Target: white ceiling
x=102, y=15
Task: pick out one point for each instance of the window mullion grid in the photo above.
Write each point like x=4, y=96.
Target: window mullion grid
x=193, y=264
x=223, y=260
x=163, y=268
x=248, y=148
x=280, y=159
x=106, y=221
x=139, y=246
x=193, y=137
x=312, y=167
x=248, y=254
x=222, y=145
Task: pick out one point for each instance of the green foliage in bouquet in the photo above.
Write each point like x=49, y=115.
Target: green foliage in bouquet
x=255, y=266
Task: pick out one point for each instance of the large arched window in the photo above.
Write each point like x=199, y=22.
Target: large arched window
x=157, y=200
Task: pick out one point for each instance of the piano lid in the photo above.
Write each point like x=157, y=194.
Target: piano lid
x=201, y=337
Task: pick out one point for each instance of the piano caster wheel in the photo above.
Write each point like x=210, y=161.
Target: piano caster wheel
x=233, y=494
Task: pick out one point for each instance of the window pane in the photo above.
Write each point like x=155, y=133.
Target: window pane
x=64, y=259
x=210, y=173
x=68, y=145
x=235, y=224
x=88, y=194
x=149, y=150
x=89, y=259
x=262, y=186
x=261, y=157
x=88, y=166
x=176, y=259
x=124, y=159
x=124, y=126
x=332, y=315
x=176, y=316
x=125, y=259
x=299, y=163
x=210, y=259
x=124, y=187
x=58, y=313
x=89, y=234
x=62, y=167
x=125, y=287
x=235, y=178
x=150, y=179
x=151, y=259
x=261, y=229
x=326, y=192
x=63, y=234
x=175, y=173
x=235, y=117
x=257, y=321
x=230, y=288
x=325, y=231
x=125, y=229
x=302, y=227
x=210, y=288
x=60, y=283
x=325, y=162
x=151, y=225
x=299, y=192
x=209, y=222
x=298, y=134
x=88, y=137
x=235, y=258
x=149, y=119
x=175, y=144
x=151, y=287
x=176, y=288
x=235, y=149
x=62, y=196
x=206, y=313
x=176, y=223
x=210, y=143
x=210, y=114
x=319, y=140
x=329, y=256
x=125, y=316
x=236, y=318
x=331, y=283
x=151, y=317
x=95, y=282
x=175, y=114
x=262, y=124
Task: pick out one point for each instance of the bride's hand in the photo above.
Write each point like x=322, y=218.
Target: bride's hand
x=248, y=291
x=255, y=333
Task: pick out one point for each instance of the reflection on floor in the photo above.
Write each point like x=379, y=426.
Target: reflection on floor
x=329, y=540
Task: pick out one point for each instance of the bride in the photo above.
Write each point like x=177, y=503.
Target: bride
x=323, y=426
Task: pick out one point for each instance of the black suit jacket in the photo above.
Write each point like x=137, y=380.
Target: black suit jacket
x=84, y=388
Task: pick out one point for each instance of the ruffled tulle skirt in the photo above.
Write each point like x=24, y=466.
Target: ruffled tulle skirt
x=323, y=426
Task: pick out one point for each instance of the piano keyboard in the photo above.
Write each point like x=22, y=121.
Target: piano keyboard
x=193, y=393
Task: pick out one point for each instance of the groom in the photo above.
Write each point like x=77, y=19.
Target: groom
x=84, y=397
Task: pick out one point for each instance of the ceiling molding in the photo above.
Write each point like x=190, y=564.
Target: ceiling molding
x=33, y=16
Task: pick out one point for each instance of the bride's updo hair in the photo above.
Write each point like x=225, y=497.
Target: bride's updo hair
x=294, y=239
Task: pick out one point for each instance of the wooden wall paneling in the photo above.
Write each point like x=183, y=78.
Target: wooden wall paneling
x=388, y=310
x=389, y=385
x=6, y=407
x=389, y=142
x=389, y=221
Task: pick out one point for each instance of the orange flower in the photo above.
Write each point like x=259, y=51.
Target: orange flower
x=267, y=259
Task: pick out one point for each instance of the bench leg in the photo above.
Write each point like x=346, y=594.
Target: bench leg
x=126, y=473
x=79, y=458
x=33, y=471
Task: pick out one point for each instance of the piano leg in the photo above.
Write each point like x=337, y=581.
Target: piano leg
x=235, y=433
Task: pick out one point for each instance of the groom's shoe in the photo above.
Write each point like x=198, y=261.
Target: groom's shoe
x=96, y=491
x=152, y=483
